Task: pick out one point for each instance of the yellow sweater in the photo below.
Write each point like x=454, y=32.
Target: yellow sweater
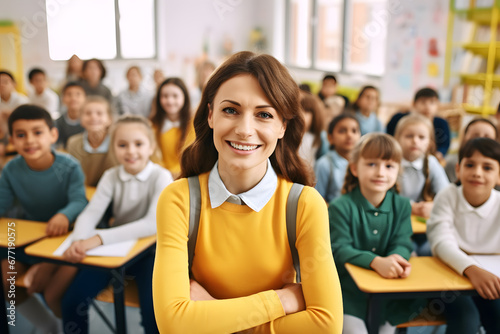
x=241, y=257
x=169, y=142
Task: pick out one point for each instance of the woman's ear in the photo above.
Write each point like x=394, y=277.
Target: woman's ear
x=210, y=116
x=282, y=130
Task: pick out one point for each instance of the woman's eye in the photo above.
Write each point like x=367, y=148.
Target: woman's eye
x=229, y=110
x=265, y=115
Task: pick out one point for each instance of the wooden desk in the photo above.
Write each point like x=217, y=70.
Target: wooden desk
x=25, y=231
x=44, y=249
x=418, y=224
x=89, y=192
x=429, y=278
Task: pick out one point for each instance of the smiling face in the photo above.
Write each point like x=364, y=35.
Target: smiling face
x=172, y=101
x=32, y=139
x=246, y=128
x=95, y=117
x=478, y=175
x=376, y=176
x=414, y=140
x=74, y=98
x=133, y=146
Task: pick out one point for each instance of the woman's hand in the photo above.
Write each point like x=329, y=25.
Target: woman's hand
x=292, y=298
x=392, y=266
x=198, y=292
x=486, y=283
x=77, y=251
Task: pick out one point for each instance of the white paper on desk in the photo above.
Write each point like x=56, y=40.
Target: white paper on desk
x=489, y=262
x=116, y=249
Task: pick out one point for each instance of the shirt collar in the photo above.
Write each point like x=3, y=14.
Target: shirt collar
x=484, y=210
x=142, y=176
x=385, y=207
x=417, y=164
x=103, y=148
x=168, y=124
x=339, y=160
x=69, y=120
x=255, y=198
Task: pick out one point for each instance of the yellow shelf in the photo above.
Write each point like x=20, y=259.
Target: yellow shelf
x=479, y=110
x=482, y=48
x=479, y=79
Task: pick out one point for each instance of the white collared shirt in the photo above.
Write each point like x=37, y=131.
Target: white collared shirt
x=456, y=228
x=103, y=148
x=168, y=124
x=255, y=198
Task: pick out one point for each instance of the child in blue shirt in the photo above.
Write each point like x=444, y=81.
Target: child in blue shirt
x=365, y=108
x=330, y=169
x=49, y=187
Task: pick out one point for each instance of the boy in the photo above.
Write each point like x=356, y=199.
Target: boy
x=73, y=98
x=43, y=96
x=49, y=187
x=134, y=100
x=426, y=103
x=9, y=100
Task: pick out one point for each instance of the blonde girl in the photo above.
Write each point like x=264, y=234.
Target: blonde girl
x=370, y=227
x=132, y=188
x=172, y=122
x=92, y=147
x=422, y=176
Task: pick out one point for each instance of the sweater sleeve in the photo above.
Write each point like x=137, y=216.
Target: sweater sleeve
x=400, y=240
x=442, y=132
x=76, y=194
x=439, y=179
x=320, y=282
x=322, y=171
x=441, y=232
x=144, y=226
x=6, y=192
x=176, y=312
x=94, y=211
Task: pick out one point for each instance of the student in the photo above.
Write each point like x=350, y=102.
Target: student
x=135, y=99
x=312, y=146
x=74, y=68
x=477, y=128
x=426, y=103
x=248, y=130
x=9, y=97
x=133, y=188
x=329, y=89
x=203, y=72
x=91, y=147
x=422, y=176
x=172, y=122
x=365, y=109
x=73, y=98
x=42, y=95
x=49, y=187
x=330, y=169
x=93, y=71
x=370, y=227
x=464, y=222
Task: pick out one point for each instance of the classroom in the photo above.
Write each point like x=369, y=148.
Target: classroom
x=237, y=166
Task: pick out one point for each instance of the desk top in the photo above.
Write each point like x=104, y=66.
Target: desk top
x=25, y=231
x=427, y=274
x=89, y=192
x=418, y=224
x=46, y=247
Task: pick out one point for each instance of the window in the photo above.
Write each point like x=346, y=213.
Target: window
x=337, y=35
x=104, y=29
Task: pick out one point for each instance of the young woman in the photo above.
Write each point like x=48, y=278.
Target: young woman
x=248, y=130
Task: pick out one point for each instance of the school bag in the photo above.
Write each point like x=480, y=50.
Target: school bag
x=291, y=220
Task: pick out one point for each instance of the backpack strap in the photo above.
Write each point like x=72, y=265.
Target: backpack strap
x=194, y=216
x=291, y=225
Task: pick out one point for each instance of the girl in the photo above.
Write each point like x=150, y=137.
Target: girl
x=91, y=147
x=172, y=122
x=93, y=71
x=370, y=227
x=463, y=222
x=312, y=146
x=132, y=188
x=248, y=130
x=343, y=134
x=422, y=177
x=135, y=99
x=365, y=109
x=478, y=127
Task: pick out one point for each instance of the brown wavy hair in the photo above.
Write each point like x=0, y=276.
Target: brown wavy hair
x=283, y=94
x=427, y=191
x=312, y=104
x=373, y=145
